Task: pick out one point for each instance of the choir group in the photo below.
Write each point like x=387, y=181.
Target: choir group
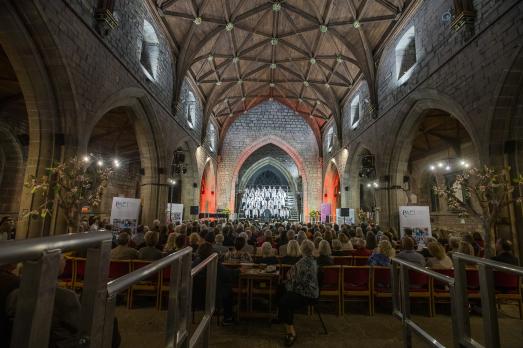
x=264, y=201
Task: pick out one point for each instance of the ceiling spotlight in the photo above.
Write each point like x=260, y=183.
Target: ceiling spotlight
x=447, y=167
x=197, y=20
x=356, y=24
x=276, y=6
x=229, y=26
x=369, y=185
x=274, y=41
x=375, y=184
x=312, y=60
x=116, y=163
x=86, y=158
x=100, y=163
x=323, y=28
x=306, y=83
x=432, y=168
x=273, y=66
x=467, y=165
x=440, y=164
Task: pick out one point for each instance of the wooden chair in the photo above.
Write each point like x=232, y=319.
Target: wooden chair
x=472, y=283
x=118, y=268
x=66, y=279
x=440, y=290
x=381, y=284
x=79, y=272
x=360, y=260
x=342, y=260
x=330, y=285
x=284, y=269
x=508, y=288
x=357, y=283
x=148, y=287
x=420, y=286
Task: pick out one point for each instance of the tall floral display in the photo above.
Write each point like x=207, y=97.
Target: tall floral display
x=482, y=194
x=74, y=184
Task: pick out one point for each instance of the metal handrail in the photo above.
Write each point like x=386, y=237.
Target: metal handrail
x=32, y=249
x=199, y=267
x=427, y=271
x=124, y=282
x=491, y=263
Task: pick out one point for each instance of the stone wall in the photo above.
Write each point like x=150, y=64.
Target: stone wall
x=270, y=122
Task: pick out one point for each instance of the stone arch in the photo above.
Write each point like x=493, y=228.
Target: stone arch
x=400, y=150
x=11, y=171
x=351, y=175
x=332, y=188
x=189, y=191
x=153, y=191
x=271, y=139
x=48, y=96
x=260, y=165
x=208, y=188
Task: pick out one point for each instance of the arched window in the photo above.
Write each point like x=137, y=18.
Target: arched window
x=150, y=51
x=355, y=110
x=190, y=110
x=212, y=137
x=406, y=55
x=330, y=139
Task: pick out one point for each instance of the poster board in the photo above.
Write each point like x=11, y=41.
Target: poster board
x=418, y=219
x=125, y=213
x=343, y=218
x=325, y=211
x=174, y=212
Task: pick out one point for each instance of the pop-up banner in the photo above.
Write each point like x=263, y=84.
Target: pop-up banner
x=326, y=211
x=416, y=218
x=175, y=212
x=345, y=216
x=125, y=213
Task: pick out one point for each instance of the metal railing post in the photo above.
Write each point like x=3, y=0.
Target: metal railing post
x=35, y=301
x=461, y=300
x=405, y=305
x=396, y=301
x=94, y=294
x=108, y=322
x=453, y=316
x=488, y=306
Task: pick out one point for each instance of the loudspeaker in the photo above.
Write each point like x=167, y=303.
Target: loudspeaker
x=346, y=188
x=194, y=210
x=142, y=171
x=195, y=185
x=406, y=179
x=161, y=171
x=367, y=161
x=510, y=147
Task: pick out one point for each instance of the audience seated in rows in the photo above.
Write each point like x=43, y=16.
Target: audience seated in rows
x=150, y=252
x=408, y=253
x=382, y=255
x=293, y=253
x=325, y=257
x=238, y=254
x=123, y=251
x=267, y=255
x=438, y=258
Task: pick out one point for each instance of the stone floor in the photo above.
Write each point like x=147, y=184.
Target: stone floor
x=144, y=327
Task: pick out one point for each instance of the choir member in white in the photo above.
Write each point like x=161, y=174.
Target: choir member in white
x=255, y=201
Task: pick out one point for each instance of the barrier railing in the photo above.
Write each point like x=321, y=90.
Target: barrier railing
x=41, y=257
x=461, y=332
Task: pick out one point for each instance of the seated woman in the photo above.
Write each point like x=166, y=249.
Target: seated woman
x=301, y=288
x=267, y=255
x=293, y=253
x=325, y=254
x=383, y=254
x=453, y=245
x=438, y=258
x=360, y=248
x=238, y=254
x=337, y=248
x=345, y=242
x=149, y=252
x=194, y=241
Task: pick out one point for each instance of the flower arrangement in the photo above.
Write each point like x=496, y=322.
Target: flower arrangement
x=74, y=183
x=485, y=193
x=314, y=215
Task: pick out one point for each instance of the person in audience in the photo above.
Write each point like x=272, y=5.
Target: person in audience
x=194, y=241
x=466, y=248
x=301, y=237
x=218, y=245
x=337, y=248
x=504, y=252
x=317, y=241
x=468, y=238
x=325, y=254
x=453, y=245
x=163, y=235
x=282, y=251
x=425, y=251
x=238, y=254
x=169, y=246
x=249, y=249
x=408, y=253
x=438, y=258
x=225, y=279
x=301, y=287
x=138, y=238
x=267, y=255
x=478, y=238
x=370, y=241
x=293, y=253
x=382, y=255
x=345, y=242
x=150, y=252
x=360, y=248
x=123, y=251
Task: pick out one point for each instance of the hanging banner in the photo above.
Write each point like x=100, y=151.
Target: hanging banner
x=174, y=212
x=326, y=212
x=345, y=216
x=125, y=213
x=416, y=218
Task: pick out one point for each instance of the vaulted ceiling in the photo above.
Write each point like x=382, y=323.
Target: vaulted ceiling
x=306, y=54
